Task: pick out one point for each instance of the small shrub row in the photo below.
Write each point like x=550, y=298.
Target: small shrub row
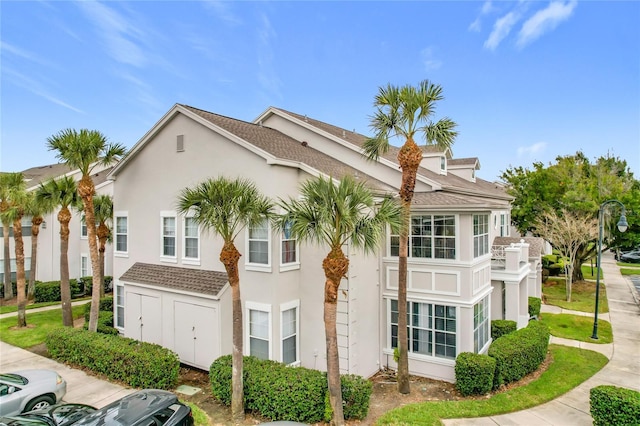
x=87, y=284
x=14, y=286
x=535, y=304
x=519, y=353
x=279, y=392
x=49, y=291
x=138, y=364
x=612, y=405
x=501, y=327
x=474, y=373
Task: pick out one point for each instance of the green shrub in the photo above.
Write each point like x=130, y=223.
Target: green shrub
x=501, y=327
x=138, y=364
x=474, y=373
x=611, y=405
x=13, y=284
x=106, y=305
x=535, y=304
x=519, y=353
x=49, y=291
x=279, y=392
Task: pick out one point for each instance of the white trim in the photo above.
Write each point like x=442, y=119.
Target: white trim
x=259, y=267
x=290, y=266
x=118, y=285
x=116, y=215
x=168, y=214
x=189, y=260
x=260, y=307
x=88, y=265
x=83, y=225
x=294, y=304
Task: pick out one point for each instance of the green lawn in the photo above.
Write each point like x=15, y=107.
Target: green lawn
x=570, y=367
x=13, y=308
x=630, y=271
x=38, y=325
x=583, y=295
x=576, y=327
x=589, y=272
x=200, y=418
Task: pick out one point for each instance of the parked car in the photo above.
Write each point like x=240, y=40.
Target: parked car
x=631, y=257
x=54, y=415
x=28, y=390
x=145, y=407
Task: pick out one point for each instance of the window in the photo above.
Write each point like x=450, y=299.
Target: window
x=288, y=247
x=480, y=234
x=443, y=164
x=480, y=324
x=168, y=231
x=85, y=266
x=121, y=231
x=83, y=228
x=431, y=237
x=259, y=330
x=289, y=322
x=504, y=224
x=259, y=243
x=119, y=306
x=431, y=329
x=191, y=243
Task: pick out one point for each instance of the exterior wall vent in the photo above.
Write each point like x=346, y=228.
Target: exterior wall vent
x=304, y=143
x=180, y=143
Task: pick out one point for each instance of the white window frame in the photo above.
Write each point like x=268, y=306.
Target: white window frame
x=190, y=260
x=504, y=224
x=285, y=307
x=481, y=321
x=117, y=298
x=253, y=266
x=433, y=237
x=289, y=265
x=164, y=257
x=84, y=257
x=84, y=233
x=260, y=307
x=443, y=165
x=432, y=329
x=480, y=235
x=116, y=234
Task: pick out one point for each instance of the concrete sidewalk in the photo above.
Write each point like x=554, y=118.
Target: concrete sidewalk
x=81, y=387
x=623, y=369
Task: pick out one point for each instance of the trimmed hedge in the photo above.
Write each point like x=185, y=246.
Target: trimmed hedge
x=612, y=405
x=535, y=304
x=501, y=327
x=138, y=364
x=14, y=286
x=105, y=316
x=49, y=291
x=279, y=392
x=474, y=373
x=519, y=353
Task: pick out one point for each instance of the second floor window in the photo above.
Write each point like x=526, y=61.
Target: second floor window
x=480, y=234
x=431, y=236
x=169, y=236
x=289, y=249
x=121, y=234
x=191, y=238
x=259, y=243
x=83, y=228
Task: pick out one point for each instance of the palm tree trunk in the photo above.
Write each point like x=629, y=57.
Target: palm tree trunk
x=230, y=256
x=101, y=257
x=103, y=235
x=36, y=221
x=86, y=190
x=64, y=217
x=409, y=158
x=335, y=267
x=8, y=287
x=20, y=276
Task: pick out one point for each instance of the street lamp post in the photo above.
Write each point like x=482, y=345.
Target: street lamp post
x=622, y=226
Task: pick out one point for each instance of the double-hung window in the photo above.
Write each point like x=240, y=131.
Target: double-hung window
x=431, y=329
x=168, y=235
x=504, y=224
x=191, y=241
x=431, y=237
x=289, y=333
x=121, y=233
x=258, y=242
x=259, y=330
x=119, y=300
x=480, y=234
x=83, y=228
x=85, y=266
x=480, y=324
x=288, y=247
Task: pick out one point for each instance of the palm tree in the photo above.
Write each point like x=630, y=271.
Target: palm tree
x=37, y=208
x=333, y=215
x=18, y=202
x=84, y=150
x=62, y=192
x=226, y=207
x=406, y=112
x=8, y=181
x=103, y=207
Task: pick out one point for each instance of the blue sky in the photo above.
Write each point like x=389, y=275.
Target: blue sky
x=525, y=81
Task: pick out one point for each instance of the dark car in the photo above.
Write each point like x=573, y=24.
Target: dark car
x=631, y=257
x=147, y=407
x=60, y=414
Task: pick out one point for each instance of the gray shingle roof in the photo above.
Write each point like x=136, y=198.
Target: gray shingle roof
x=37, y=175
x=462, y=161
x=184, y=279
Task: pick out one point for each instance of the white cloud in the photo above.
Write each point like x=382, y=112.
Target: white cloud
x=531, y=150
x=501, y=29
x=476, y=25
x=429, y=59
x=24, y=54
x=545, y=20
x=267, y=75
x=222, y=11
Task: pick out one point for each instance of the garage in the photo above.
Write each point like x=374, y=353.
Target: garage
x=182, y=309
